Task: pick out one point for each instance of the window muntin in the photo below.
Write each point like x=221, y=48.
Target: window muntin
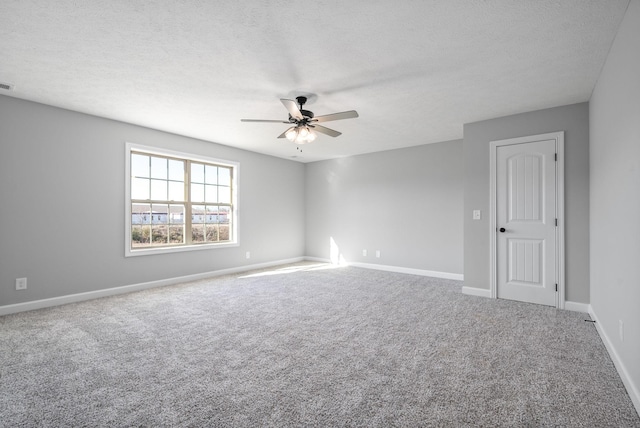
x=179, y=202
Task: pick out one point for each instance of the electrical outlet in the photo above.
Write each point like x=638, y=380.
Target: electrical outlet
x=621, y=330
x=364, y=253
x=378, y=253
x=21, y=283
x=248, y=254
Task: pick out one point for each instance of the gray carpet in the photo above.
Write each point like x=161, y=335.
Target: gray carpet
x=302, y=346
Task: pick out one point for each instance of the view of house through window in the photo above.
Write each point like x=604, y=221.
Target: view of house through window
x=177, y=201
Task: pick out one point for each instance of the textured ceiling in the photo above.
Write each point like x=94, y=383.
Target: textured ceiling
x=416, y=71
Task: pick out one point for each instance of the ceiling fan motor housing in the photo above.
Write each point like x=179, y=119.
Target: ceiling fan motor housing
x=301, y=101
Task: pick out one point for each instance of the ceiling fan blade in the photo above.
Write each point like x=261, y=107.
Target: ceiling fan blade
x=292, y=106
x=262, y=120
x=284, y=134
x=336, y=116
x=325, y=130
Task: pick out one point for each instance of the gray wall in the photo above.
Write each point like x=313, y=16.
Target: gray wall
x=615, y=196
x=574, y=120
x=407, y=203
x=56, y=163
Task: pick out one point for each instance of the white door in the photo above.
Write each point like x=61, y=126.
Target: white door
x=526, y=222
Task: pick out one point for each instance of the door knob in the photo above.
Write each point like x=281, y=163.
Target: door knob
x=502, y=229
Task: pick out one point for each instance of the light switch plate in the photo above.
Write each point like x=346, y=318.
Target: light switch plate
x=477, y=214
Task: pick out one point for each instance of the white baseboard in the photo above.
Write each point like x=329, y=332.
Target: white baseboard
x=473, y=291
x=79, y=297
x=410, y=271
x=317, y=259
x=483, y=292
x=632, y=389
x=577, y=307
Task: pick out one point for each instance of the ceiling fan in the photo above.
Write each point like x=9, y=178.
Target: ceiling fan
x=304, y=123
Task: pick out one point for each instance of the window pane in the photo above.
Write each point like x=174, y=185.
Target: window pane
x=176, y=191
x=211, y=174
x=140, y=213
x=139, y=188
x=176, y=234
x=225, y=214
x=159, y=234
x=224, y=232
x=197, y=214
x=197, y=233
x=197, y=173
x=177, y=214
x=212, y=233
x=224, y=176
x=197, y=193
x=140, y=236
x=176, y=170
x=159, y=190
x=159, y=168
x=139, y=165
x=211, y=193
x=224, y=195
x=159, y=214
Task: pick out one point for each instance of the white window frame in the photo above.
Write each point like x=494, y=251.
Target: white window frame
x=235, y=242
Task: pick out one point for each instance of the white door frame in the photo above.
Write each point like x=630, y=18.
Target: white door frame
x=559, y=138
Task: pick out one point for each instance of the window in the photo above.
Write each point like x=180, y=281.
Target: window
x=178, y=202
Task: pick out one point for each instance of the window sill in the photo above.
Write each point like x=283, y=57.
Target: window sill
x=178, y=249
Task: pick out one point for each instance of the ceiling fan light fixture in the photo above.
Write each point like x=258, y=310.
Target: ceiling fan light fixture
x=292, y=134
x=304, y=135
